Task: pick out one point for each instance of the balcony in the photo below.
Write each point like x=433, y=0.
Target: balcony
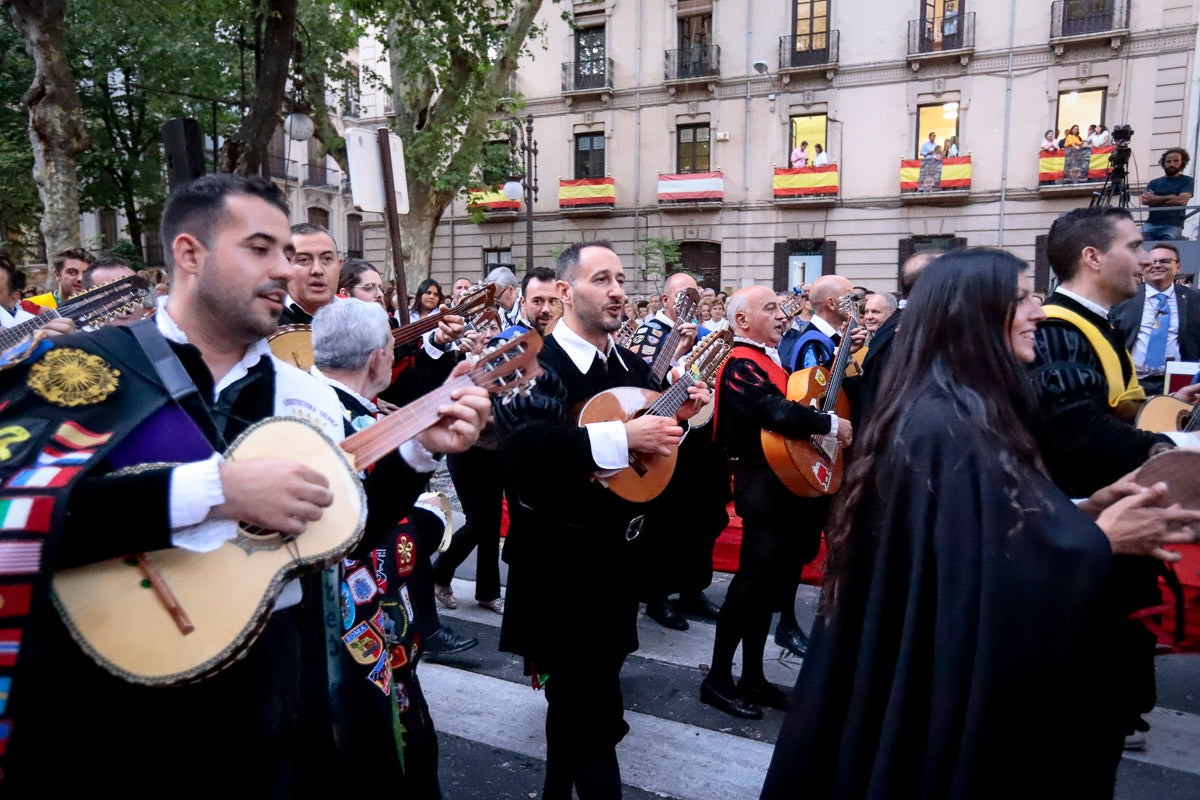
x=583, y=79
x=490, y=205
x=276, y=166
x=1077, y=21
x=691, y=191
x=692, y=65
x=587, y=197
x=812, y=52
x=936, y=181
x=809, y=187
x=950, y=36
x=1077, y=172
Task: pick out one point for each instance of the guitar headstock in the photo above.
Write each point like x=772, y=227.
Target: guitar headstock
x=708, y=355
x=475, y=300
x=686, y=301
x=790, y=306
x=848, y=306
x=98, y=304
x=623, y=336
x=509, y=368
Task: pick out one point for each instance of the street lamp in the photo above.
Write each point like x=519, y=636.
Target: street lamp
x=524, y=185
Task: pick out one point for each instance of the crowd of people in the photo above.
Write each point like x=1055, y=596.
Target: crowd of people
x=986, y=439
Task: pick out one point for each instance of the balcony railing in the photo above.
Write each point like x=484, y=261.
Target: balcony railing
x=692, y=63
x=1074, y=166
x=587, y=196
x=1088, y=18
x=805, y=184
x=811, y=50
x=952, y=33
x=594, y=75
x=277, y=166
x=318, y=174
x=935, y=175
x=691, y=189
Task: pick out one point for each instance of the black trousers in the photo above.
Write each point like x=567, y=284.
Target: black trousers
x=585, y=719
x=478, y=478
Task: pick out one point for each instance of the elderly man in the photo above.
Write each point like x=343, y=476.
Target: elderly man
x=876, y=310
x=508, y=294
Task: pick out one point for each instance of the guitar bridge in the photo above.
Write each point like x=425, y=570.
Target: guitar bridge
x=827, y=445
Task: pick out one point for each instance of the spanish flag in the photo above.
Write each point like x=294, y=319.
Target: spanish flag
x=1052, y=164
x=491, y=200
x=956, y=173
x=806, y=181
x=587, y=192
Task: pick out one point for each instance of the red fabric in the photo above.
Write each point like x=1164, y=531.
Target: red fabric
x=503, y=517
x=729, y=545
x=1161, y=620
x=775, y=373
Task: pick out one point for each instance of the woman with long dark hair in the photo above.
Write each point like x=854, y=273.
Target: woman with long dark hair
x=965, y=601
x=427, y=299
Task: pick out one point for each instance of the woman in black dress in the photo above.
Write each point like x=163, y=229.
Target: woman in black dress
x=959, y=648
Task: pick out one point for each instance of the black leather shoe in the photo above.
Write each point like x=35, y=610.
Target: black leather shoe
x=664, y=613
x=764, y=694
x=445, y=642
x=792, y=639
x=733, y=705
x=698, y=603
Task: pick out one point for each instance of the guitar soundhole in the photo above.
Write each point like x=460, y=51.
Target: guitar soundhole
x=253, y=539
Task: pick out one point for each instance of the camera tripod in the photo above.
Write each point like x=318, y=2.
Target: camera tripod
x=1115, y=179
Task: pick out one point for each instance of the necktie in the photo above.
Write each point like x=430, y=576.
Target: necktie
x=1156, y=345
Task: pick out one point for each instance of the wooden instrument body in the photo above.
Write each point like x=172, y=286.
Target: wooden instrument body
x=809, y=467
x=1179, y=468
x=293, y=344
x=647, y=475
x=227, y=593
x=1164, y=414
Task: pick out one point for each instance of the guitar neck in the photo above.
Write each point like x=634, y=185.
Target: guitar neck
x=17, y=333
x=662, y=358
x=670, y=401
x=373, y=443
x=838, y=372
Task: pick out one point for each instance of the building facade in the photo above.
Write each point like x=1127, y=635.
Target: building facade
x=677, y=120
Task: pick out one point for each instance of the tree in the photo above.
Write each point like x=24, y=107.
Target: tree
x=19, y=204
x=55, y=118
x=450, y=65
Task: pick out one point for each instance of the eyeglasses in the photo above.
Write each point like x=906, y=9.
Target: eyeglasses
x=370, y=287
x=1164, y=262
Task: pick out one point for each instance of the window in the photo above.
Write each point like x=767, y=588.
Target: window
x=941, y=120
x=276, y=157
x=589, y=58
x=696, y=58
x=108, y=228
x=319, y=216
x=1087, y=16
x=589, y=155
x=693, y=148
x=354, y=236
x=352, y=99
x=809, y=128
x=1080, y=108
x=811, y=29
x=496, y=256
x=316, y=163
x=941, y=25
x=151, y=222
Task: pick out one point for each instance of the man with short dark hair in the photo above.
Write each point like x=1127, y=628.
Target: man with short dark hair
x=1161, y=322
x=540, y=305
x=460, y=288
x=11, y=312
x=68, y=267
x=1166, y=196
x=571, y=612
x=314, y=282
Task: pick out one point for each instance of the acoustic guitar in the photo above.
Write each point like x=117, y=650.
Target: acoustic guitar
x=91, y=307
x=648, y=474
x=175, y=616
x=685, y=309
x=1164, y=414
x=812, y=467
x=293, y=343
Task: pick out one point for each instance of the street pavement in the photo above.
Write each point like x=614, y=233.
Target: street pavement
x=490, y=721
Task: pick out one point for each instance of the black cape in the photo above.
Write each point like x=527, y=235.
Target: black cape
x=973, y=609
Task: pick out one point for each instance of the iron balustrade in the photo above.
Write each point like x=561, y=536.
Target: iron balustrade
x=947, y=33
x=582, y=76
x=701, y=61
x=1087, y=17
x=808, y=50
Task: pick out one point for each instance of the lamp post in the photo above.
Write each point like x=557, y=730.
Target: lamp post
x=524, y=185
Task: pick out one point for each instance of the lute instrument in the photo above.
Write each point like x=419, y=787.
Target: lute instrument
x=812, y=467
x=648, y=474
x=91, y=307
x=175, y=616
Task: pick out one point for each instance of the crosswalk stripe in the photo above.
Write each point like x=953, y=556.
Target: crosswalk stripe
x=1172, y=742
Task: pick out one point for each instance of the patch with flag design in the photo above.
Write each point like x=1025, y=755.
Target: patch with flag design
x=14, y=599
x=20, y=557
x=10, y=646
x=26, y=513
x=43, y=477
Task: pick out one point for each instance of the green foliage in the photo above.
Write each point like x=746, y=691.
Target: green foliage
x=20, y=206
x=129, y=251
x=658, y=255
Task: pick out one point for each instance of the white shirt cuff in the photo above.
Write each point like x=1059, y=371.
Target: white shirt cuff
x=610, y=447
x=432, y=349
x=418, y=457
x=833, y=424
x=1182, y=439
x=195, y=490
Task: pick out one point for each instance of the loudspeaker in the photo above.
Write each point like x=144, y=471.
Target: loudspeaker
x=184, y=149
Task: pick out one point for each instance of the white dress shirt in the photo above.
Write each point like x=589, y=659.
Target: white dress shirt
x=609, y=445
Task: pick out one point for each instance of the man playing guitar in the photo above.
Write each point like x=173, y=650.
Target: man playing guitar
x=751, y=397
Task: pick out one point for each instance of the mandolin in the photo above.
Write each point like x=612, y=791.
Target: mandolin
x=91, y=307
x=175, y=616
x=647, y=474
x=1164, y=414
x=813, y=467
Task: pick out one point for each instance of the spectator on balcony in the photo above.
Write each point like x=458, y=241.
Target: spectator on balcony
x=821, y=158
x=799, y=156
x=950, y=147
x=1049, y=142
x=1166, y=196
x=929, y=145
x=937, y=153
x=1073, y=139
x=1103, y=137
x=1091, y=134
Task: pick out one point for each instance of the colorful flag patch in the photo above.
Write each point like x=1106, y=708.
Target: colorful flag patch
x=5, y=686
x=10, y=645
x=43, y=477
x=20, y=557
x=26, y=513
x=77, y=437
x=53, y=455
x=14, y=599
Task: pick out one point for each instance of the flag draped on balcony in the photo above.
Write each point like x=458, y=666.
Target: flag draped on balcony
x=956, y=173
x=587, y=192
x=691, y=186
x=1052, y=165
x=806, y=181
x=491, y=200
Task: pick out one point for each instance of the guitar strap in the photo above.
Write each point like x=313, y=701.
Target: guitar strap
x=775, y=374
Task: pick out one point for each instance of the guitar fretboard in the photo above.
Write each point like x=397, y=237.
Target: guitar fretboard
x=17, y=333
